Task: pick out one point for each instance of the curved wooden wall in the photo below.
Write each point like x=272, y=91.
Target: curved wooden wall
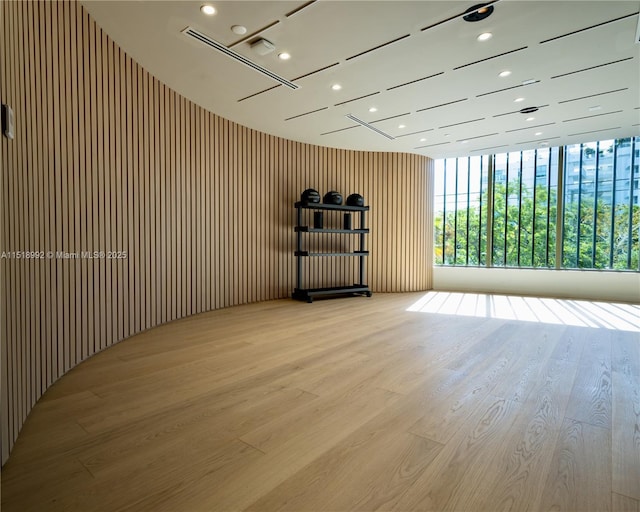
x=107, y=159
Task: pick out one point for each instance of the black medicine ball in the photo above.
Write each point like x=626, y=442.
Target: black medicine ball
x=332, y=197
x=355, y=200
x=310, y=196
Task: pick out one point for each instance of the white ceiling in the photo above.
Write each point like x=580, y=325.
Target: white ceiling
x=436, y=79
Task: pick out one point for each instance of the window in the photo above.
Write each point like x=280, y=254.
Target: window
x=503, y=210
x=524, y=205
x=461, y=193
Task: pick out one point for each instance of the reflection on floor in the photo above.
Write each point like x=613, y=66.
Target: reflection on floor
x=581, y=313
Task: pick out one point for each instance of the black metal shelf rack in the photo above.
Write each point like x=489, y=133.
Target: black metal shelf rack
x=307, y=294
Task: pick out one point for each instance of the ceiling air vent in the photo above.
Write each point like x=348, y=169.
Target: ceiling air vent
x=199, y=36
x=367, y=125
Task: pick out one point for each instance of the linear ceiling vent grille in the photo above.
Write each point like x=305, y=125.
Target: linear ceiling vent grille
x=367, y=125
x=199, y=36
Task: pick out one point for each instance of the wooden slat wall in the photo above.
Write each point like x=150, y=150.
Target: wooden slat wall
x=106, y=158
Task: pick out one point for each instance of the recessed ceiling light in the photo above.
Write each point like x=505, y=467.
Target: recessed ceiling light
x=284, y=56
x=538, y=133
x=529, y=81
x=463, y=141
x=594, y=108
x=209, y=10
x=373, y=109
x=239, y=29
x=336, y=87
x=530, y=118
x=485, y=36
x=401, y=126
x=518, y=100
x=423, y=140
x=478, y=13
x=504, y=73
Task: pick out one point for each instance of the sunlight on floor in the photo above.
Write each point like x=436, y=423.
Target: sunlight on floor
x=582, y=313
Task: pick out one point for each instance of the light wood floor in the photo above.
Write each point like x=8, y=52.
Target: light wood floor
x=339, y=405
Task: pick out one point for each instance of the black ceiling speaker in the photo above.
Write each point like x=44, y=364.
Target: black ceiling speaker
x=310, y=195
x=332, y=197
x=478, y=12
x=355, y=200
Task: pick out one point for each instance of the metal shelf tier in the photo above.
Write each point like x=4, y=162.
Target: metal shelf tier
x=307, y=294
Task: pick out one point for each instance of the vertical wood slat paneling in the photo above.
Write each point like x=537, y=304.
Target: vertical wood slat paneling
x=14, y=275
x=68, y=185
x=5, y=68
x=108, y=159
x=6, y=279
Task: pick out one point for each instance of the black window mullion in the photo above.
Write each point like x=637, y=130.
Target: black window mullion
x=468, y=207
x=491, y=162
x=493, y=209
x=579, y=209
x=444, y=213
x=455, y=220
x=631, y=178
x=612, y=227
x=533, y=214
x=519, y=209
x=480, y=214
x=595, y=207
x=561, y=209
x=548, y=207
x=506, y=210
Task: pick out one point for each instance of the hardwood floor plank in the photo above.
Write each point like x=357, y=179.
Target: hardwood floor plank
x=434, y=349
x=452, y=481
x=369, y=470
x=621, y=503
x=482, y=348
x=327, y=373
x=176, y=474
x=135, y=385
x=20, y=494
x=570, y=347
x=443, y=419
x=43, y=445
x=625, y=431
x=330, y=413
x=280, y=464
x=534, y=352
x=208, y=423
x=625, y=352
x=518, y=472
x=416, y=364
x=579, y=477
x=590, y=400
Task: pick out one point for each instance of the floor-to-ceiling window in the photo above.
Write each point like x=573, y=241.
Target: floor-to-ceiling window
x=461, y=195
x=570, y=207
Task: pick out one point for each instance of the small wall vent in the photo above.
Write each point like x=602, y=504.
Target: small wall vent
x=203, y=38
